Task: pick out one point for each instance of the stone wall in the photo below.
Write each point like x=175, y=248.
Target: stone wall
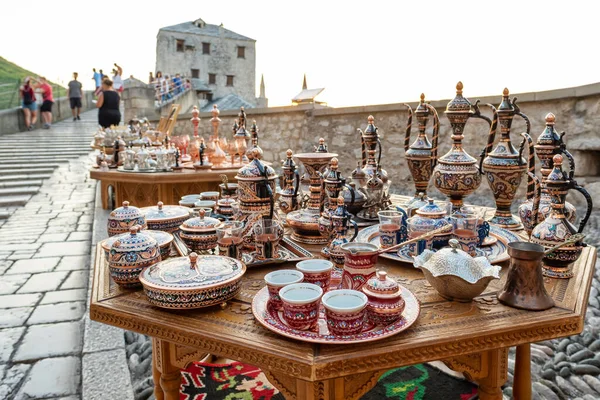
x=12, y=120
x=299, y=127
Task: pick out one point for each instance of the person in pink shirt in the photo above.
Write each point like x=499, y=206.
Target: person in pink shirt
x=48, y=101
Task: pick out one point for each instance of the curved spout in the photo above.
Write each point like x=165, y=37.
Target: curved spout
x=436, y=131
x=408, y=128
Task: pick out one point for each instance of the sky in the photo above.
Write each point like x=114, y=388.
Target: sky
x=362, y=53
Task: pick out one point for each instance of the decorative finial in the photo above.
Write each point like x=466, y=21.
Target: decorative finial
x=289, y=153
x=505, y=92
x=133, y=230
x=321, y=141
x=422, y=97
x=459, y=87
x=255, y=154
x=201, y=213
x=125, y=204
x=334, y=163
x=550, y=119
x=193, y=259
x=557, y=160
x=371, y=119
x=160, y=205
x=340, y=201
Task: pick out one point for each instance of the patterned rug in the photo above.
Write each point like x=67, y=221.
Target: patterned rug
x=204, y=381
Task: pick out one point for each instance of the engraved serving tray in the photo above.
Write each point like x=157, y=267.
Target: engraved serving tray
x=288, y=252
x=272, y=320
x=144, y=171
x=496, y=252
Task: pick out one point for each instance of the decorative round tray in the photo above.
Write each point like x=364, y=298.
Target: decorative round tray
x=496, y=252
x=144, y=171
x=272, y=320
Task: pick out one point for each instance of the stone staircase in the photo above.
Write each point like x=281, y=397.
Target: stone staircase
x=27, y=158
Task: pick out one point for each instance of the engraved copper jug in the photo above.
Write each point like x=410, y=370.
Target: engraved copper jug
x=288, y=201
x=421, y=155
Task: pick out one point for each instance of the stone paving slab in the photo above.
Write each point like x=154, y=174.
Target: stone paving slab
x=10, y=284
x=52, y=377
x=51, y=313
x=43, y=282
x=48, y=340
x=63, y=249
x=8, y=340
x=19, y=300
x=12, y=379
x=12, y=317
x=106, y=376
x=34, y=265
x=61, y=296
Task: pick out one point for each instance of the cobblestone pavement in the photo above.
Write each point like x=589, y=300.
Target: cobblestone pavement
x=44, y=273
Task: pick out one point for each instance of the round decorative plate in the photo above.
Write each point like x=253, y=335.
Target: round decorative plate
x=273, y=320
x=496, y=252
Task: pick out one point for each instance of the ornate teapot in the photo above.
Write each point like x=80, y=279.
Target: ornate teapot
x=288, y=201
x=129, y=159
x=434, y=216
x=549, y=143
x=456, y=173
x=556, y=229
x=504, y=166
x=340, y=219
x=256, y=187
x=421, y=156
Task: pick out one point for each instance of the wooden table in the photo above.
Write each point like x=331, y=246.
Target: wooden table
x=147, y=189
x=472, y=338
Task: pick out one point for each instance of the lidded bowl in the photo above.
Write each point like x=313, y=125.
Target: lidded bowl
x=165, y=218
x=192, y=282
x=130, y=254
x=200, y=233
x=164, y=240
x=385, y=303
x=122, y=219
x=455, y=274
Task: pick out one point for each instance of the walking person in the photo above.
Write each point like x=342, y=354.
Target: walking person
x=74, y=93
x=48, y=101
x=28, y=103
x=108, y=105
x=97, y=77
x=117, y=78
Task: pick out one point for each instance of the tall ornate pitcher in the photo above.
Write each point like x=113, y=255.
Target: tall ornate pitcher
x=456, y=173
x=421, y=156
x=504, y=166
x=288, y=201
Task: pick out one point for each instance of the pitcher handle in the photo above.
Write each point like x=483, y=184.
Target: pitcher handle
x=352, y=192
x=491, y=135
x=355, y=225
x=530, y=161
x=590, y=205
x=363, y=149
x=520, y=114
x=296, y=188
x=408, y=127
x=435, y=132
x=571, y=162
x=535, y=192
x=379, y=146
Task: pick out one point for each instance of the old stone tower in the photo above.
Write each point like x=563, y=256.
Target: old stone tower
x=220, y=63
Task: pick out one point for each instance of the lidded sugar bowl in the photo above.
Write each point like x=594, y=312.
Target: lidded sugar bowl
x=165, y=218
x=385, y=303
x=122, y=219
x=192, y=282
x=129, y=255
x=455, y=274
x=164, y=240
x=200, y=233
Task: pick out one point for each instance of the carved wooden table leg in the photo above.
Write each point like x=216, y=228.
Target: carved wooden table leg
x=158, y=392
x=346, y=388
x=170, y=375
x=522, y=383
x=489, y=369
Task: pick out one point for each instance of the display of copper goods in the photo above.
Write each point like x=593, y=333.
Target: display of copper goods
x=122, y=219
x=433, y=216
x=556, y=228
x=256, y=187
x=192, y=282
x=385, y=302
x=421, y=155
x=340, y=219
x=225, y=206
x=504, y=166
x=456, y=173
x=130, y=255
x=165, y=218
x=333, y=184
x=199, y=233
x=455, y=274
x=549, y=143
x=288, y=199
x=163, y=239
x=359, y=264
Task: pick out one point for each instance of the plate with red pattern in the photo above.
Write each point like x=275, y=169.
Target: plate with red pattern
x=273, y=320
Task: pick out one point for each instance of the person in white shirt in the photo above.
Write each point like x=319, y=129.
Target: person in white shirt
x=117, y=80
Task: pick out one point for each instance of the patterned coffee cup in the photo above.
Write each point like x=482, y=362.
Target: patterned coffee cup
x=345, y=310
x=316, y=271
x=276, y=280
x=301, y=303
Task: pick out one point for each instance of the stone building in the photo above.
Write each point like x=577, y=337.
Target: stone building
x=221, y=63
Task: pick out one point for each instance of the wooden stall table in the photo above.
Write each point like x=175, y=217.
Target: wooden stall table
x=472, y=338
x=147, y=189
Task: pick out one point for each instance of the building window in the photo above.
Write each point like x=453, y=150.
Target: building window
x=205, y=48
x=229, y=80
x=212, y=79
x=180, y=43
x=209, y=96
x=195, y=73
x=241, y=52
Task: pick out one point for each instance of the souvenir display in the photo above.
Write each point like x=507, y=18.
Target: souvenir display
x=556, y=228
x=199, y=233
x=434, y=216
x=385, y=302
x=456, y=173
x=163, y=239
x=305, y=222
x=333, y=184
x=549, y=143
x=271, y=318
x=345, y=311
x=129, y=255
x=504, y=166
x=359, y=264
x=122, y=219
x=256, y=187
x=225, y=206
x=316, y=271
x=300, y=304
x=241, y=137
x=455, y=274
x=192, y=282
x=165, y=218
x=421, y=155
x=275, y=280
x=340, y=219
x=288, y=199
x=354, y=199
x=524, y=286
